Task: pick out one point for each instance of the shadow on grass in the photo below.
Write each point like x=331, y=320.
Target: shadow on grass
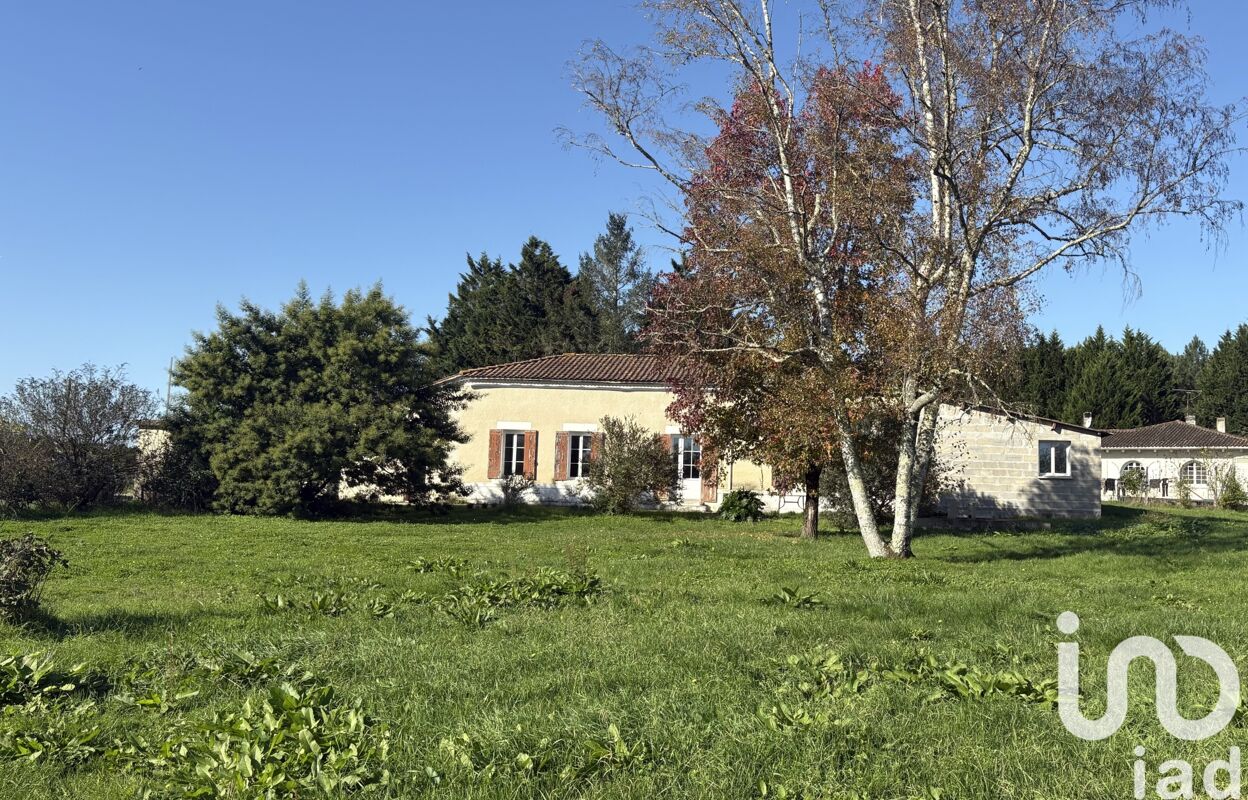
x=1125, y=531
x=42, y=624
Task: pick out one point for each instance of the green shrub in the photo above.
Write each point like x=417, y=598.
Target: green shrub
x=1132, y=482
x=1184, y=488
x=741, y=505
x=25, y=564
x=634, y=466
x=513, y=488
x=1232, y=494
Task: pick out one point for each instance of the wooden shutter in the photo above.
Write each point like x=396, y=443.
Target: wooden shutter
x=669, y=441
x=595, y=446
x=530, y=455
x=561, y=455
x=495, y=462
x=710, y=475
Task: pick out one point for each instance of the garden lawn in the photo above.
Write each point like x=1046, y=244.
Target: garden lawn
x=679, y=651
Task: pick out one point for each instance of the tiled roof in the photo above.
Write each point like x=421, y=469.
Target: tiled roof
x=580, y=368
x=1174, y=435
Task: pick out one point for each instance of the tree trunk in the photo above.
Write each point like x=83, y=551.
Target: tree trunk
x=810, y=520
x=912, y=465
x=876, y=546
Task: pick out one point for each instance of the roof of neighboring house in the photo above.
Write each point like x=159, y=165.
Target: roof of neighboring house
x=1174, y=435
x=580, y=368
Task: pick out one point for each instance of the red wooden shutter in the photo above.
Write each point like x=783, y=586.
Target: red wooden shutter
x=495, y=462
x=595, y=446
x=710, y=475
x=530, y=455
x=561, y=455
x=669, y=441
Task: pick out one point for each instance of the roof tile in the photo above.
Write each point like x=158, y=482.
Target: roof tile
x=581, y=368
x=1175, y=434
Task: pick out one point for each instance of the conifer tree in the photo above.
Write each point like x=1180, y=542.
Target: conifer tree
x=1148, y=381
x=1189, y=363
x=616, y=284
x=1223, y=383
x=500, y=314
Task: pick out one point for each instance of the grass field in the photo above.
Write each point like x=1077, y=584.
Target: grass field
x=671, y=678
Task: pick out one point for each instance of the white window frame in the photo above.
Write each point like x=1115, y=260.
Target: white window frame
x=1054, y=445
x=1138, y=466
x=578, y=456
x=1195, y=467
x=686, y=444
x=513, y=440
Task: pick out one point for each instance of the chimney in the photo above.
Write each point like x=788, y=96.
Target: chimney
x=1221, y=424
x=1191, y=419
x=1087, y=419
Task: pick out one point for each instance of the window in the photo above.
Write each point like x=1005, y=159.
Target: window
x=578, y=454
x=1054, y=459
x=513, y=454
x=690, y=454
x=1195, y=473
x=1133, y=466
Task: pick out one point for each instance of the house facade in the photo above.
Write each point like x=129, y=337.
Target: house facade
x=540, y=418
x=1169, y=455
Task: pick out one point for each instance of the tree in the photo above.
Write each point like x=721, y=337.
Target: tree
x=76, y=432
x=631, y=465
x=1189, y=363
x=616, y=284
x=1148, y=376
x=1098, y=387
x=1039, y=383
x=471, y=333
x=292, y=405
x=1223, y=383
x=1026, y=135
x=500, y=313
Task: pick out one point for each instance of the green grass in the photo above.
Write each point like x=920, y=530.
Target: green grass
x=678, y=652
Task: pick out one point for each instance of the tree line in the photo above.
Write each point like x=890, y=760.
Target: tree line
x=1131, y=380
x=537, y=307
x=295, y=410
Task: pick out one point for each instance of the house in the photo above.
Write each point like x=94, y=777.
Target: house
x=540, y=418
x=1168, y=453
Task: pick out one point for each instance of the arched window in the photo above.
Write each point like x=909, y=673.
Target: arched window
x=1194, y=473
x=1133, y=466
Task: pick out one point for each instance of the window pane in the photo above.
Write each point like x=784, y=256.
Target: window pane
x=1046, y=458
x=1060, y=466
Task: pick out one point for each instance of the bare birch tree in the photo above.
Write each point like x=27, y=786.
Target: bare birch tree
x=1042, y=135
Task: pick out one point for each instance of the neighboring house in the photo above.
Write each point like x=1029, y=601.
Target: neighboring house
x=1170, y=452
x=540, y=418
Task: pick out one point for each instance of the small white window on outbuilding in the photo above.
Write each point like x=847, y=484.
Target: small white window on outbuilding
x=1055, y=459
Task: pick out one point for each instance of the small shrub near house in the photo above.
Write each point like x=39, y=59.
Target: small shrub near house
x=1232, y=495
x=741, y=505
x=635, y=467
x=25, y=564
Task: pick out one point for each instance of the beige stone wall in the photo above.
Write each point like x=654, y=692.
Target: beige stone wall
x=992, y=465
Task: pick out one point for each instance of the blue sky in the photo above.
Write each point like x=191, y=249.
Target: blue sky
x=157, y=158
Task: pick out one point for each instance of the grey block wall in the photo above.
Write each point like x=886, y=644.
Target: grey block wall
x=991, y=468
